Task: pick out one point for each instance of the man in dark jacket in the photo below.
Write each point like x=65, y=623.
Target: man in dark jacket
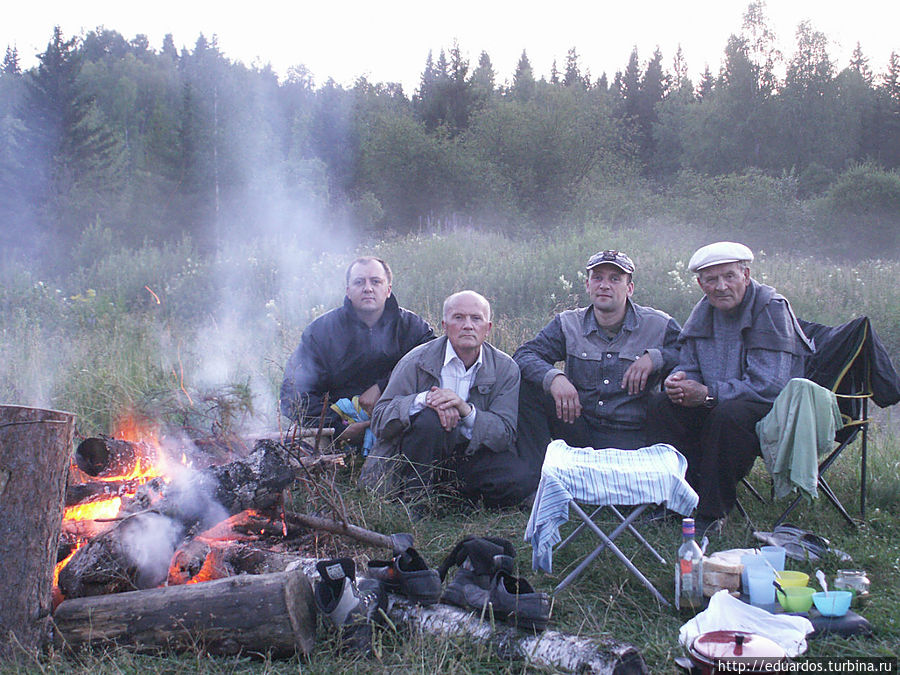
x=351, y=350
x=616, y=352
x=739, y=348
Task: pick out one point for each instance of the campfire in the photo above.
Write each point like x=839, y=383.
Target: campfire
x=136, y=518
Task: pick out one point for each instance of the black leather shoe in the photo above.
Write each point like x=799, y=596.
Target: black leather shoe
x=349, y=606
x=408, y=574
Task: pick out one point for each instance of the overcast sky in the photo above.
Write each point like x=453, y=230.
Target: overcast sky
x=389, y=40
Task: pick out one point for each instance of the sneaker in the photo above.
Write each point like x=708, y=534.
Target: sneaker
x=408, y=574
x=349, y=606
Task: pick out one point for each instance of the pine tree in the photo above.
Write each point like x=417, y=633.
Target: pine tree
x=10, y=64
x=860, y=64
x=523, y=79
x=572, y=75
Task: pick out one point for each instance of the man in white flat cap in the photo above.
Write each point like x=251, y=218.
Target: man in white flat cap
x=739, y=348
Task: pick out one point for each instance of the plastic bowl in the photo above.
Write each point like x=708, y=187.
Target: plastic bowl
x=792, y=578
x=796, y=598
x=832, y=603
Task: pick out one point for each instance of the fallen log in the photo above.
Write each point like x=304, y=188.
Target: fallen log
x=266, y=613
x=34, y=452
x=558, y=652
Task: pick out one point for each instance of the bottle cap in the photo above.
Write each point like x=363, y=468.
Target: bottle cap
x=687, y=526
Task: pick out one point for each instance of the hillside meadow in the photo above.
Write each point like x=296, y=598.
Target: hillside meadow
x=200, y=342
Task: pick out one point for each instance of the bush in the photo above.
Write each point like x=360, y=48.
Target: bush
x=860, y=213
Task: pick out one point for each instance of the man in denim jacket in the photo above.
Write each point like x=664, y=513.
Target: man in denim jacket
x=616, y=352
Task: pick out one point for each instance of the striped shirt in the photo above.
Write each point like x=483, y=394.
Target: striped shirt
x=651, y=475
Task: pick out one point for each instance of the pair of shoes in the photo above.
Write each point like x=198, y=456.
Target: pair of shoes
x=484, y=582
x=801, y=544
x=352, y=607
x=408, y=574
x=706, y=526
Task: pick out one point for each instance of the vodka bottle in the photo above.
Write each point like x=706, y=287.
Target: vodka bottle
x=689, y=571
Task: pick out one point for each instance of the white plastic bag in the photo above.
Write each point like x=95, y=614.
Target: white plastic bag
x=728, y=613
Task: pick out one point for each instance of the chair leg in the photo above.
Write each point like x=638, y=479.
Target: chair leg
x=828, y=492
x=608, y=543
x=637, y=535
x=565, y=542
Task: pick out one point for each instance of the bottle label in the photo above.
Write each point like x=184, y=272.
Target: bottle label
x=686, y=566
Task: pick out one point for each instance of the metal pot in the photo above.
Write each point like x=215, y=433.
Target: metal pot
x=754, y=652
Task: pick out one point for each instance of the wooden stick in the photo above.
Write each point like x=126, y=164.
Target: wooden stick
x=346, y=529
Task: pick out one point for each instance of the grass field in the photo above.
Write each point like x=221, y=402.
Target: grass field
x=202, y=342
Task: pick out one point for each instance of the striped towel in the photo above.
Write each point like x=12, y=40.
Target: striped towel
x=651, y=475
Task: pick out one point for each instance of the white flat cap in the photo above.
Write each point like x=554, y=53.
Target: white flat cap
x=718, y=253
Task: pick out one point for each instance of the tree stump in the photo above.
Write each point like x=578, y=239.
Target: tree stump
x=35, y=446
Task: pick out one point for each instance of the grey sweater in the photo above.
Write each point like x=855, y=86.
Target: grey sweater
x=749, y=354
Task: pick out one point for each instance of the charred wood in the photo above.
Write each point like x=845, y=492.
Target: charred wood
x=134, y=554
x=272, y=613
x=102, y=456
x=81, y=492
x=203, y=498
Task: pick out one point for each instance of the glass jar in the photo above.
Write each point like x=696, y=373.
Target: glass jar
x=854, y=581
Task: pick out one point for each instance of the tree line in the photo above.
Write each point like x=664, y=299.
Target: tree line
x=109, y=140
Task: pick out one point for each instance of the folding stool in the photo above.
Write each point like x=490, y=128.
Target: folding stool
x=606, y=478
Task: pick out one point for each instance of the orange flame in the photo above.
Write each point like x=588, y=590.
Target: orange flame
x=104, y=508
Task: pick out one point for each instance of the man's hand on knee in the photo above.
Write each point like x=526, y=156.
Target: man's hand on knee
x=565, y=395
x=354, y=432
x=638, y=373
x=369, y=398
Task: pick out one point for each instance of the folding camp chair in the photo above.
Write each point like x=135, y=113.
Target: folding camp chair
x=842, y=364
x=608, y=478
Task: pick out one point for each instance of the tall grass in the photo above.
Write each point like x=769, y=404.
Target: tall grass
x=133, y=328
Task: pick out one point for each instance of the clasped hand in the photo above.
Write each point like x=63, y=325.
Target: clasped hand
x=448, y=406
x=683, y=391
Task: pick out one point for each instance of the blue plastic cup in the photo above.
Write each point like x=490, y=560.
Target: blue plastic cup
x=775, y=555
x=762, y=590
x=748, y=560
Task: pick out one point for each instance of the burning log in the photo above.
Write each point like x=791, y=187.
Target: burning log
x=272, y=613
x=103, y=456
x=221, y=551
x=34, y=453
x=204, y=560
x=82, y=492
x=134, y=554
x=255, y=482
